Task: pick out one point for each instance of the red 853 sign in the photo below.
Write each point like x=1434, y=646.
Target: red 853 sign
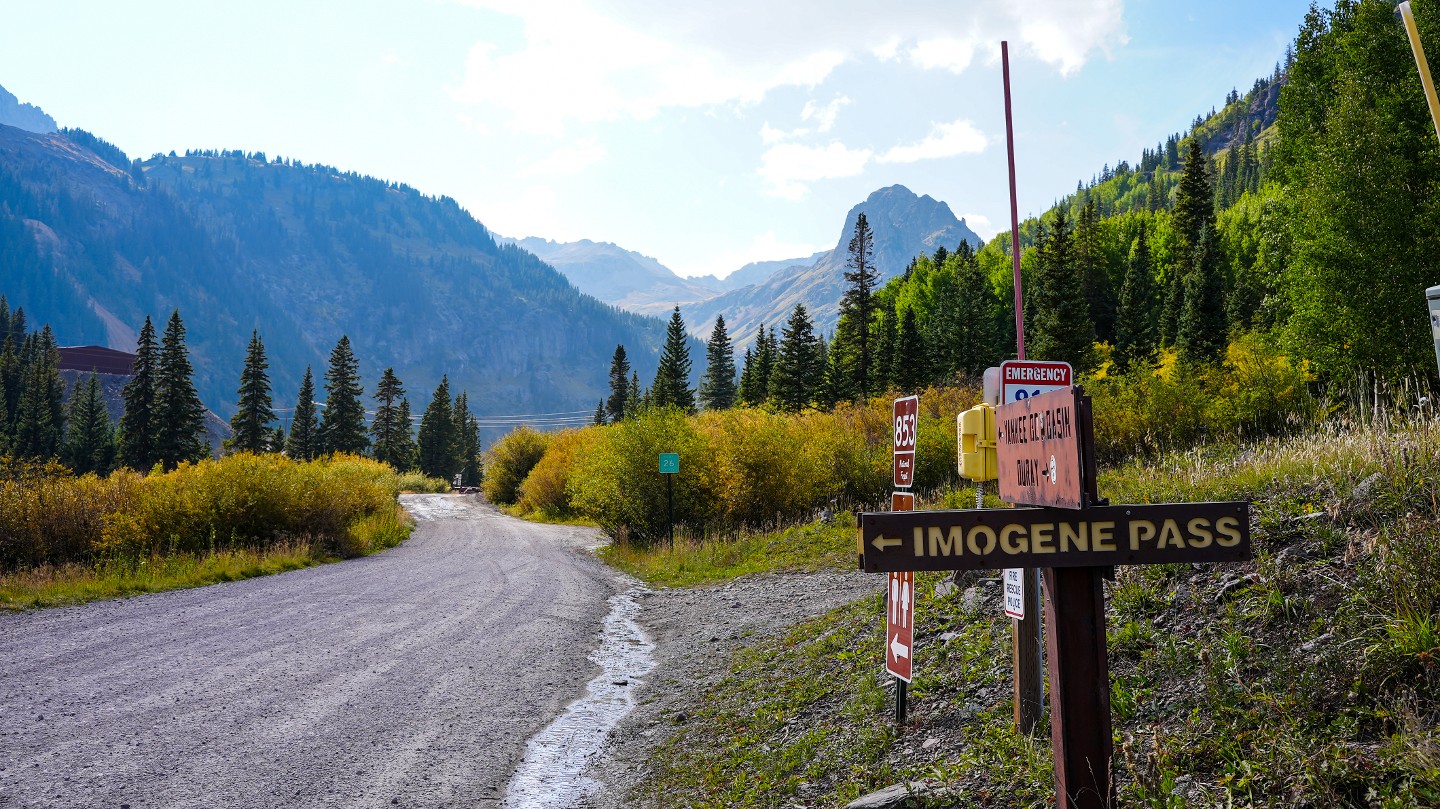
x=907, y=416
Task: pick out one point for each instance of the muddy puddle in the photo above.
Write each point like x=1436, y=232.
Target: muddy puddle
x=552, y=774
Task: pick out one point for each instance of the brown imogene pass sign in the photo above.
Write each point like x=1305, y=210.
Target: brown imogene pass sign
x=1038, y=451
x=993, y=538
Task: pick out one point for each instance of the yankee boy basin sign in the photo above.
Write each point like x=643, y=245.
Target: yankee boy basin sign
x=1046, y=449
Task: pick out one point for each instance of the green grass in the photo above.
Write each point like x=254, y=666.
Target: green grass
x=1316, y=682
x=815, y=546
x=52, y=586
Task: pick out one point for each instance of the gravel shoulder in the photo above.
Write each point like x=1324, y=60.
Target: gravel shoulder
x=695, y=631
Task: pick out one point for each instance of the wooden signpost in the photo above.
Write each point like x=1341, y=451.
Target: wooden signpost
x=1075, y=537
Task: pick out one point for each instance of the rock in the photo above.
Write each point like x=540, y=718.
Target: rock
x=929, y=743
x=1311, y=645
x=1366, y=487
x=944, y=588
x=946, y=637
x=973, y=598
x=1229, y=586
x=891, y=797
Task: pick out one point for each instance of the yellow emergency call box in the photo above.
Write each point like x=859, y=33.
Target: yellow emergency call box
x=977, y=443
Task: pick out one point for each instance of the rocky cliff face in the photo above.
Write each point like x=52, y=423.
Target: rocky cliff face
x=904, y=226
x=23, y=116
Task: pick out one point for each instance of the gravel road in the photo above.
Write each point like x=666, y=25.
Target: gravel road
x=409, y=678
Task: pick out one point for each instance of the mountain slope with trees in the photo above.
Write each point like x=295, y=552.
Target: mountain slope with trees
x=93, y=242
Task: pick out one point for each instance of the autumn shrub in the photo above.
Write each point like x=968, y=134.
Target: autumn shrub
x=241, y=500
x=617, y=482
x=509, y=462
x=546, y=489
x=420, y=482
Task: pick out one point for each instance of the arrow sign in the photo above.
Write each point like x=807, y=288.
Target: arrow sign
x=900, y=624
x=898, y=649
x=882, y=542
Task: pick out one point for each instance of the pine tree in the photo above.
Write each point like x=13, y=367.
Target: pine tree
x=467, y=441
x=390, y=429
x=1099, y=294
x=857, y=305
x=40, y=421
x=717, y=388
x=1063, y=331
x=599, y=420
x=138, y=423
x=304, y=441
x=437, y=445
x=1194, y=201
x=1202, y=330
x=342, y=428
x=747, y=379
x=255, y=409
x=179, y=415
x=885, y=348
x=912, y=361
x=1173, y=304
x=615, y=406
x=672, y=378
x=89, y=440
x=634, y=401
x=797, y=368
x=1135, y=334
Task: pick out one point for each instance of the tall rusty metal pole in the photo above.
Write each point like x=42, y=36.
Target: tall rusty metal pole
x=1421, y=64
x=1029, y=679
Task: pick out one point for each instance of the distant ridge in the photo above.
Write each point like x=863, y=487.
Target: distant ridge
x=24, y=116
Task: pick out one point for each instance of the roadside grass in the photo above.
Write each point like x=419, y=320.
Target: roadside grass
x=819, y=545
x=1309, y=676
x=65, y=585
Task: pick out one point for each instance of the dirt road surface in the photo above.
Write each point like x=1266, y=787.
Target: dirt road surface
x=409, y=678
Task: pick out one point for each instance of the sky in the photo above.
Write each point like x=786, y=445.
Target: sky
x=705, y=135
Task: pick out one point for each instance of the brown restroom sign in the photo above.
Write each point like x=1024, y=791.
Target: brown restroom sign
x=1037, y=450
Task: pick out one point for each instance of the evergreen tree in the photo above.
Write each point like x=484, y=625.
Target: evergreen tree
x=437, y=444
x=1172, y=305
x=467, y=441
x=89, y=439
x=615, y=406
x=40, y=422
x=255, y=409
x=912, y=360
x=304, y=441
x=1202, y=329
x=390, y=429
x=717, y=388
x=634, y=401
x=599, y=418
x=857, y=305
x=138, y=423
x=1135, y=335
x=1194, y=201
x=179, y=415
x=672, y=378
x=885, y=348
x=962, y=337
x=342, y=427
x=747, y=379
x=1063, y=331
x=1099, y=294
x=797, y=368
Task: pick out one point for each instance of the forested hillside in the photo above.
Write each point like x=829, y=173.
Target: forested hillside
x=93, y=242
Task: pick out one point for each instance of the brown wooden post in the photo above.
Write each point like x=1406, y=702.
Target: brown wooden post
x=1079, y=663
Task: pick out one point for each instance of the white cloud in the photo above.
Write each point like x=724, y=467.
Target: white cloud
x=600, y=60
x=789, y=168
x=945, y=140
x=980, y=223
x=569, y=159
x=769, y=134
x=824, y=114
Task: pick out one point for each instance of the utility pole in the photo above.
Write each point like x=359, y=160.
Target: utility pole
x=1029, y=680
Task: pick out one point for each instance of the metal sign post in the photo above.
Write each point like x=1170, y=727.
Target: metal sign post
x=670, y=467
x=1076, y=547
x=900, y=598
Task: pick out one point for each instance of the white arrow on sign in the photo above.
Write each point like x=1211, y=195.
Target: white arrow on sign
x=883, y=542
x=898, y=649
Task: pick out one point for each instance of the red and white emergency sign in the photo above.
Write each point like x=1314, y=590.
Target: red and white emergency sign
x=1021, y=379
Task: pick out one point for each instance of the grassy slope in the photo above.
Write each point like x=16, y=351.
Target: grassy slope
x=1307, y=677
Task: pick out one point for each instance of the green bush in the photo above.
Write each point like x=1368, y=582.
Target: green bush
x=419, y=482
x=509, y=462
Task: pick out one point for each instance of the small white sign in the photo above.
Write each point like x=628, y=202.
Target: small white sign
x=1015, y=593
